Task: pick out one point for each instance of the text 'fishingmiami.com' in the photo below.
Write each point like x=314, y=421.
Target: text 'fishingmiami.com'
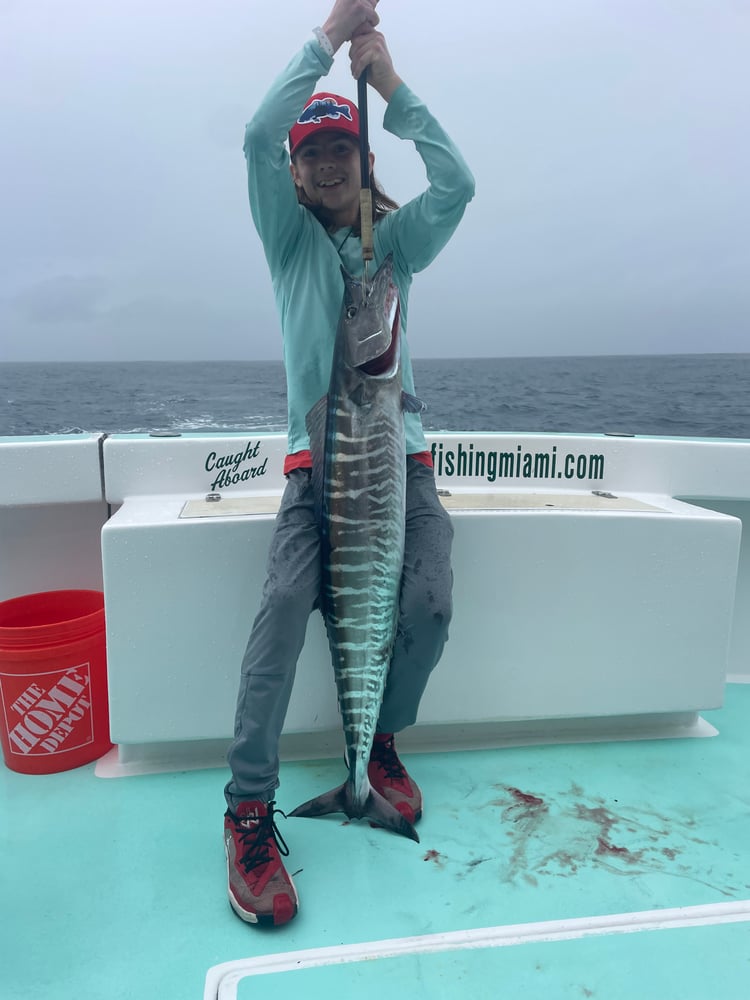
x=459, y=460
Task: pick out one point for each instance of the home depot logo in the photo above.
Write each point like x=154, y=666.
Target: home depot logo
x=50, y=713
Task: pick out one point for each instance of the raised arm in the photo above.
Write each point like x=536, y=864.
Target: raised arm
x=369, y=52
x=348, y=17
x=273, y=199
x=421, y=228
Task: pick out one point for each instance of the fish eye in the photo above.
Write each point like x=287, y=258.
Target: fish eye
x=351, y=312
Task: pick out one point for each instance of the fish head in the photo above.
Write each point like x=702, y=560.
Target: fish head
x=369, y=322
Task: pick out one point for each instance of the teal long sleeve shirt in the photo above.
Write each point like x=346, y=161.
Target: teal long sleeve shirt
x=304, y=260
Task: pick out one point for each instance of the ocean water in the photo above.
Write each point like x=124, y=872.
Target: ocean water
x=692, y=395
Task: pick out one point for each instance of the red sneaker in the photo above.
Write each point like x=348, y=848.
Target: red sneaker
x=389, y=777
x=260, y=890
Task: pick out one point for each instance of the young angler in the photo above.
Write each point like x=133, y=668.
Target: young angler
x=307, y=215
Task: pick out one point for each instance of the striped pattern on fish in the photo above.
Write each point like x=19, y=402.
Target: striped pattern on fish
x=359, y=473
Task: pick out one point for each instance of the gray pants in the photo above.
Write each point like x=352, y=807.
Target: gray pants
x=291, y=593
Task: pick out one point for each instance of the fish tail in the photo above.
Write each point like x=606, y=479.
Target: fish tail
x=380, y=811
x=375, y=808
x=331, y=802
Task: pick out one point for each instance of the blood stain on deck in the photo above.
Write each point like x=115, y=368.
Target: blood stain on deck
x=557, y=836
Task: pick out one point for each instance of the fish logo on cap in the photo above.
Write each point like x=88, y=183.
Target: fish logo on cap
x=325, y=108
x=324, y=111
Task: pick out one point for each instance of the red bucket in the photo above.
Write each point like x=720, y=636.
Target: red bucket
x=54, y=713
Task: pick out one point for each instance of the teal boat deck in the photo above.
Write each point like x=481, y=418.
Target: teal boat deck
x=603, y=870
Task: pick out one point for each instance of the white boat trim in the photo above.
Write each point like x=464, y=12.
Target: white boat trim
x=221, y=980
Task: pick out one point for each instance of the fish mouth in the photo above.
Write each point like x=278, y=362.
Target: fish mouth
x=371, y=321
x=386, y=364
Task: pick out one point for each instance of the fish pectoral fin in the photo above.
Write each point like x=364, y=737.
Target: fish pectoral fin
x=359, y=395
x=410, y=404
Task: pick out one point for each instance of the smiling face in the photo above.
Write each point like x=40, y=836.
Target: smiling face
x=326, y=169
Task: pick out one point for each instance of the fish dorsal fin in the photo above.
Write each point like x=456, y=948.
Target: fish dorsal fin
x=315, y=421
x=410, y=404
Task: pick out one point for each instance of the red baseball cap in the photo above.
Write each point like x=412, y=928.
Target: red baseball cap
x=324, y=111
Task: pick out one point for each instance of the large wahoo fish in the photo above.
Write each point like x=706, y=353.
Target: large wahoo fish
x=359, y=473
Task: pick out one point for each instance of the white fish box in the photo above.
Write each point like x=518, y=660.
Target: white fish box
x=575, y=614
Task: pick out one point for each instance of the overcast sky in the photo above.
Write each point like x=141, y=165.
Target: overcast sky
x=610, y=141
